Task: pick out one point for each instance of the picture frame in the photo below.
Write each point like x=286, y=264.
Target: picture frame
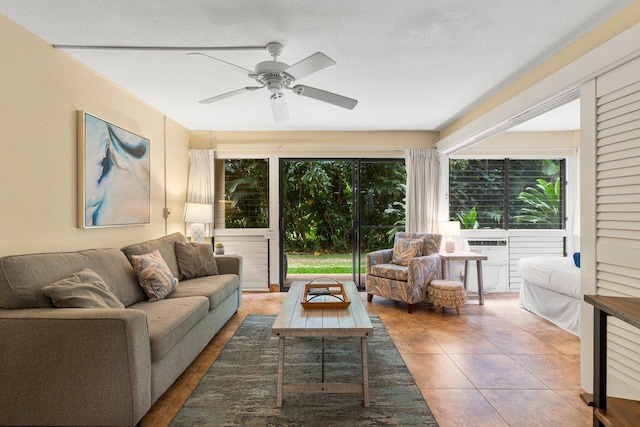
x=114, y=175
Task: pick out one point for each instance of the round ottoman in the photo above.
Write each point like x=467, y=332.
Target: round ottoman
x=447, y=293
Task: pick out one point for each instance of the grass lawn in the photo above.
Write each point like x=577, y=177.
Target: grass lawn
x=321, y=263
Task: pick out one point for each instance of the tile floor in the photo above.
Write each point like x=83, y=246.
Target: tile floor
x=494, y=365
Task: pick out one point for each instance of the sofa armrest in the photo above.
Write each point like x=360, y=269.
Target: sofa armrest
x=231, y=264
x=422, y=270
x=383, y=256
x=74, y=366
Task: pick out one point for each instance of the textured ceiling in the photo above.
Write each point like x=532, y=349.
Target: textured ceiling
x=412, y=64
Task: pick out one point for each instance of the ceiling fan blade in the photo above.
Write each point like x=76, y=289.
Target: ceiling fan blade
x=237, y=67
x=324, y=96
x=311, y=64
x=279, y=108
x=226, y=95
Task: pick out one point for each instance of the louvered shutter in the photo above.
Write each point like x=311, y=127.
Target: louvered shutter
x=618, y=211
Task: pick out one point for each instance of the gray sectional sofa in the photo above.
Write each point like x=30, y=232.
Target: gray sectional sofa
x=102, y=366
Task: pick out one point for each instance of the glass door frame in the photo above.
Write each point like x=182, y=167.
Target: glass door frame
x=356, y=201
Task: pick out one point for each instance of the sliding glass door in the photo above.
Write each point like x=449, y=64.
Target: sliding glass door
x=333, y=211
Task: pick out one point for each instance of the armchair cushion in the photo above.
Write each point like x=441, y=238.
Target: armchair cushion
x=390, y=271
x=404, y=250
x=430, y=242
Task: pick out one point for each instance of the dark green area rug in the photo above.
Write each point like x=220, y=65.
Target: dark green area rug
x=240, y=387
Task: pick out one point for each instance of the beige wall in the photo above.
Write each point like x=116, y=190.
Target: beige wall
x=42, y=88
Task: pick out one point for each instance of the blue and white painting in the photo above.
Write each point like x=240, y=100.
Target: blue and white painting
x=116, y=176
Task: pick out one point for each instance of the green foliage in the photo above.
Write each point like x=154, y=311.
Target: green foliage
x=398, y=209
x=494, y=187
x=543, y=203
x=468, y=220
x=319, y=264
x=318, y=204
x=247, y=193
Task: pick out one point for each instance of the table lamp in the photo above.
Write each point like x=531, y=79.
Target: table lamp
x=198, y=214
x=449, y=229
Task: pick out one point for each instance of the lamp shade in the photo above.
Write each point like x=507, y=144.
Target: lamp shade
x=201, y=213
x=449, y=228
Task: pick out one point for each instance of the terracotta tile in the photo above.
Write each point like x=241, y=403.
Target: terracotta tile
x=532, y=408
x=561, y=340
x=455, y=342
x=435, y=371
x=496, y=371
x=557, y=371
x=518, y=342
x=447, y=322
x=573, y=398
x=484, y=324
x=475, y=342
x=414, y=342
x=461, y=408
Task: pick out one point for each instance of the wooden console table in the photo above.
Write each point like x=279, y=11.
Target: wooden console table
x=610, y=411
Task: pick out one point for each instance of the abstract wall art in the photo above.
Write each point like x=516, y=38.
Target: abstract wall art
x=113, y=175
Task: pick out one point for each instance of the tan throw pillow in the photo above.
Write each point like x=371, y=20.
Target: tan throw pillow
x=195, y=260
x=83, y=289
x=405, y=250
x=154, y=275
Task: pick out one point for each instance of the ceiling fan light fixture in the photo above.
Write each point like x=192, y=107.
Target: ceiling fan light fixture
x=276, y=76
x=279, y=107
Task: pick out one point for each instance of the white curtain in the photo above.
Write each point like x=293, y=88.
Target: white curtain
x=423, y=178
x=200, y=184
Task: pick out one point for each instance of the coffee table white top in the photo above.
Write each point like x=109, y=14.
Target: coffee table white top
x=296, y=321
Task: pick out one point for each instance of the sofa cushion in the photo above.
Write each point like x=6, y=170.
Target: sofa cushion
x=22, y=277
x=404, y=250
x=165, y=245
x=153, y=275
x=169, y=319
x=83, y=289
x=391, y=271
x=195, y=260
x=215, y=288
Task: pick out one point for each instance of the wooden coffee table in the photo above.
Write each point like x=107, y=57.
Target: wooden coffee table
x=296, y=321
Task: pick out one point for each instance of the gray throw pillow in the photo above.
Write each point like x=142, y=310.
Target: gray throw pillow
x=154, y=275
x=83, y=289
x=195, y=260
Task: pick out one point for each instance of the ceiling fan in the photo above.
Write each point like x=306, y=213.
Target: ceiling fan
x=277, y=77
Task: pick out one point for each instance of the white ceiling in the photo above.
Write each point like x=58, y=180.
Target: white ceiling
x=412, y=64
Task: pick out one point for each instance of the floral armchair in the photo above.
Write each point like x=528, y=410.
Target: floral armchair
x=404, y=272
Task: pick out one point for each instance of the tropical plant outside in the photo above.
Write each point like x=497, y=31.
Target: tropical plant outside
x=506, y=193
x=319, y=210
x=469, y=219
x=543, y=203
x=246, y=193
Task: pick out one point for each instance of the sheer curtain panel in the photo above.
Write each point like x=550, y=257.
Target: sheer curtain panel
x=423, y=178
x=200, y=184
